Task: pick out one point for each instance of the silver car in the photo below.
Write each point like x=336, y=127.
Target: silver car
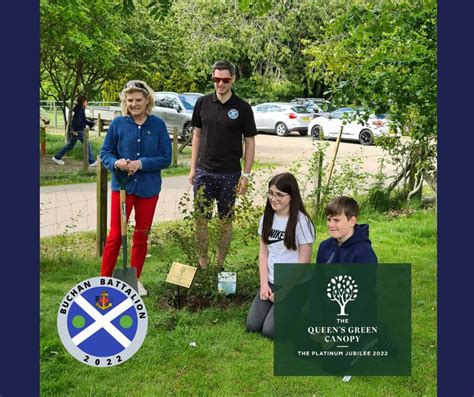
x=282, y=118
x=176, y=110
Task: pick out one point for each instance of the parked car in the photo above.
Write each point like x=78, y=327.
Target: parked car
x=176, y=110
x=282, y=118
x=192, y=97
x=316, y=105
x=328, y=126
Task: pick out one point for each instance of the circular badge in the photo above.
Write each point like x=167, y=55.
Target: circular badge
x=102, y=321
x=233, y=114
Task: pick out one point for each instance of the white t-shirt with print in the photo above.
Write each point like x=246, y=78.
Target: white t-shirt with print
x=277, y=252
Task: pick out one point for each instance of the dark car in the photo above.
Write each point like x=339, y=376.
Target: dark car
x=320, y=106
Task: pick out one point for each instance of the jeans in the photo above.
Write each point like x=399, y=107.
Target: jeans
x=261, y=316
x=70, y=145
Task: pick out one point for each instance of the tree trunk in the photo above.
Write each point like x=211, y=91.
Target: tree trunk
x=399, y=177
x=431, y=180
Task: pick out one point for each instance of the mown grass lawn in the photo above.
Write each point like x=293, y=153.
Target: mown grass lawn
x=227, y=360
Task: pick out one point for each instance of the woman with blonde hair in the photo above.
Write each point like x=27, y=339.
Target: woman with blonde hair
x=137, y=144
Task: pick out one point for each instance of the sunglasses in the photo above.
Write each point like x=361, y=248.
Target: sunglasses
x=135, y=84
x=225, y=80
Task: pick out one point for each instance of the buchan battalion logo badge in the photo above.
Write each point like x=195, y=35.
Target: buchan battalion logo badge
x=102, y=321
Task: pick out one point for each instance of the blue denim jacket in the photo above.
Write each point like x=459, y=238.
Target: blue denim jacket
x=149, y=143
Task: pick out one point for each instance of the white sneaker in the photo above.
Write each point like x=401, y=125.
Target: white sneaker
x=141, y=289
x=58, y=162
x=94, y=164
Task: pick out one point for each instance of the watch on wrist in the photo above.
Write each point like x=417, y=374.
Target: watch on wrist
x=246, y=175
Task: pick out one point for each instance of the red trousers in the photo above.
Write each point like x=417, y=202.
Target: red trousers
x=144, y=211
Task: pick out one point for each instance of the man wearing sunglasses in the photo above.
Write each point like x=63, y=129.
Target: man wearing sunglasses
x=224, y=132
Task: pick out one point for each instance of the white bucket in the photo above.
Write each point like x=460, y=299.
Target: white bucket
x=227, y=282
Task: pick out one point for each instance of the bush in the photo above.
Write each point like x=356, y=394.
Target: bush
x=203, y=291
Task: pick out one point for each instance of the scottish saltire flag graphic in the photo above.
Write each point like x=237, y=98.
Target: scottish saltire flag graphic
x=102, y=321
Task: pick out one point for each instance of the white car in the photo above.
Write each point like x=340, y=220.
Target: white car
x=282, y=118
x=329, y=126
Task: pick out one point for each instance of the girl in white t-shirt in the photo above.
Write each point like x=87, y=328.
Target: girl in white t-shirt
x=286, y=236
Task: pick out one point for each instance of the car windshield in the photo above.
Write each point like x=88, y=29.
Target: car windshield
x=189, y=101
x=339, y=113
x=300, y=109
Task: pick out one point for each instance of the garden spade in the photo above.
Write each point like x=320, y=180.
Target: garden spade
x=126, y=274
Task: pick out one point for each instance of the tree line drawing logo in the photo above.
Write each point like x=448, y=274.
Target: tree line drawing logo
x=342, y=289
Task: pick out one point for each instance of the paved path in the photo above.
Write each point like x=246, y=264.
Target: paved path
x=72, y=208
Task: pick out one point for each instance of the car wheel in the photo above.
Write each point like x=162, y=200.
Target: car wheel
x=281, y=129
x=365, y=137
x=317, y=132
x=187, y=131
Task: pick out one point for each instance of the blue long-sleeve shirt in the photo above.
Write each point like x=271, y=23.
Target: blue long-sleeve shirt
x=79, y=119
x=149, y=143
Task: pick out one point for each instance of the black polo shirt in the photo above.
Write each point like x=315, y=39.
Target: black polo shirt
x=223, y=125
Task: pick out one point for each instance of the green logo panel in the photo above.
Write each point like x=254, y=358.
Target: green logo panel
x=342, y=319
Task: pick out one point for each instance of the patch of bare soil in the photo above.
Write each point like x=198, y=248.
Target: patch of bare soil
x=169, y=301
x=48, y=167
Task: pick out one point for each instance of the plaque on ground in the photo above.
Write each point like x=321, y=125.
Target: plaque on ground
x=181, y=274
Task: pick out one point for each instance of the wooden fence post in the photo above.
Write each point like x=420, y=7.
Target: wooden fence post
x=338, y=140
x=319, y=174
x=175, y=146
x=185, y=142
x=85, y=150
x=43, y=140
x=99, y=124
x=55, y=110
x=101, y=207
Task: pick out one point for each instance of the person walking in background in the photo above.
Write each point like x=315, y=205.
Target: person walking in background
x=286, y=236
x=79, y=122
x=223, y=123
x=136, y=143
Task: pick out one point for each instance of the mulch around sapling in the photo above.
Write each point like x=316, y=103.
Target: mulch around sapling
x=169, y=301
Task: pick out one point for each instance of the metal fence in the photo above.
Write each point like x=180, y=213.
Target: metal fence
x=55, y=111
x=73, y=208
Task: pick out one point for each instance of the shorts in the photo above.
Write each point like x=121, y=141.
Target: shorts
x=209, y=186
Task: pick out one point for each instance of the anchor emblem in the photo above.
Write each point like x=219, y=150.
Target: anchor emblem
x=102, y=302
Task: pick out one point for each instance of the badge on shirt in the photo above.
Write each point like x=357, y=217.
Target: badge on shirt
x=233, y=114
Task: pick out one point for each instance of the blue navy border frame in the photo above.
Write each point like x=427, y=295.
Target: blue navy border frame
x=455, y=146
x=19, y=200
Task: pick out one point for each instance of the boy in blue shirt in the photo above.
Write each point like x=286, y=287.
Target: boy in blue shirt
x=349, y=241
